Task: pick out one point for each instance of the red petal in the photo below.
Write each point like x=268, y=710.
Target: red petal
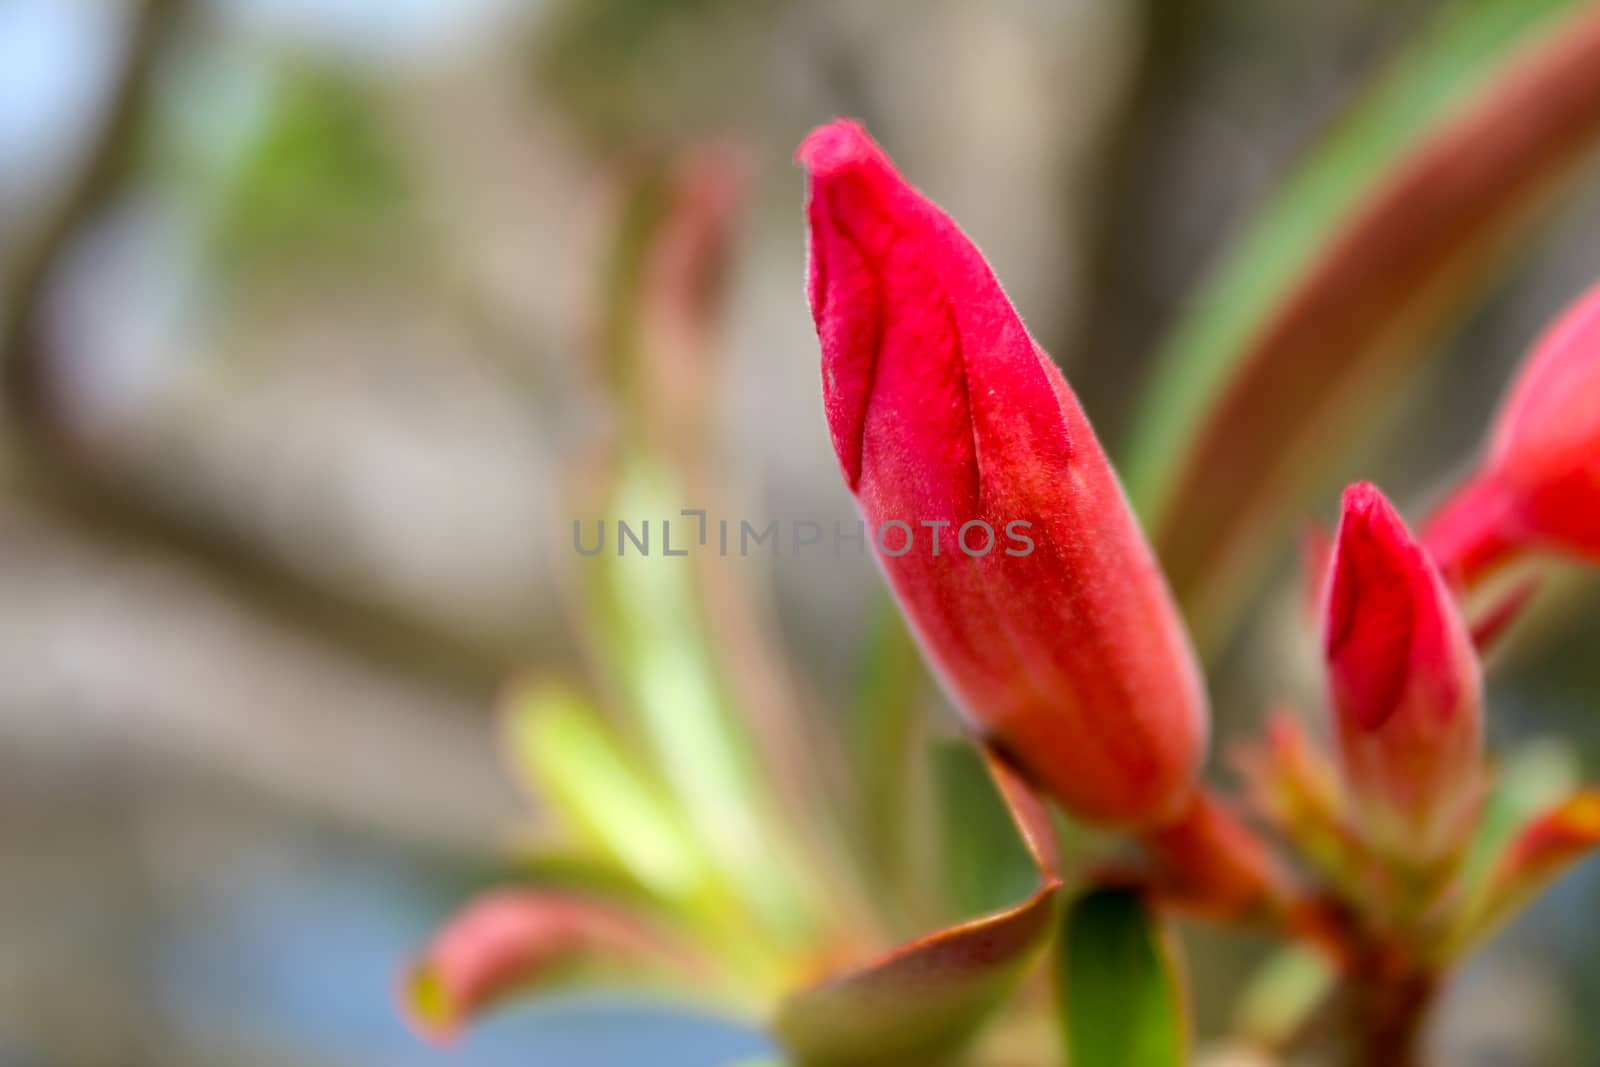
x=1372, y=607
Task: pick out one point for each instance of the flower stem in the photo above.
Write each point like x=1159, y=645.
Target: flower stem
x=1389, y=1011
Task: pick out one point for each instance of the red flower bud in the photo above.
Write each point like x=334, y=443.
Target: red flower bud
x=1404, y=682
x=1540, y=485
x=952, y=428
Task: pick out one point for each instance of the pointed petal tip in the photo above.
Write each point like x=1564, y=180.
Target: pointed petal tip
x=1366, y=503
x=835, y=146
x=1369, y=524
x=1368, y=628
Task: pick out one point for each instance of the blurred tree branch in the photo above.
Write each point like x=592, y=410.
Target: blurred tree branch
x=106, y=161
x=55, y=470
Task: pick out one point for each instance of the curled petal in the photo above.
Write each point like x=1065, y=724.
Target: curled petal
x=1546, y=846
x=510, y=940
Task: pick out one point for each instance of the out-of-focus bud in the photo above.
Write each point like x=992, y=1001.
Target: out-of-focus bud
x=683, y=281
x=1210, y=863
x=993, y=510
x=1293, y=786
x=1404, y=683
x=1539, y=486
x=1288, y=781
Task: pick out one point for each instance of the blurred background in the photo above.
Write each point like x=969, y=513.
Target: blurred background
x=300, y=304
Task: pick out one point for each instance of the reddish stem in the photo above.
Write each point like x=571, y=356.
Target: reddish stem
x=1389, y=1012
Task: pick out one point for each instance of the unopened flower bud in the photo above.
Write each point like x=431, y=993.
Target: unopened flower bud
x=1404, y=683
x=1068, y=653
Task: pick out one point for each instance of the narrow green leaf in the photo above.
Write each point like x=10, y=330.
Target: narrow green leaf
x=567, y=755
x=923, y=1002
x=651, y=617
x=986, y=866
x=1282, y=995
x=1542, y=849
x=888, y=729
x=894, y=826
x=638, y=226
x=1122, y=1003
x=1531, y=779
x=578, y=868
x=1392, y=225
x=563, y=751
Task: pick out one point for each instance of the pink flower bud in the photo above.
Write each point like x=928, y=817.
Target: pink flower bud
x=1540, y=484
x=1059, y=638
x=1404, y=682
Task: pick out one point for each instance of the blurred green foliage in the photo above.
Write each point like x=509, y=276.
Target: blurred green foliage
x=1122, y=999
x=642, y=71
x=321, y=182
x=986, y=866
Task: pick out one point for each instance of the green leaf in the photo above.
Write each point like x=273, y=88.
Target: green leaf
x=563, y=751
x=1282, y=995
x=567, y=755
x=923, y=1002
x=1122, y=1003
x=1531, y=779
x=1541, y=850
x=887, y=726
x=895, y=821
x=580, y=869
x=1395, y=222
x=638, y=227
x=321, y=177
x=650, y=616
x=986, y=866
